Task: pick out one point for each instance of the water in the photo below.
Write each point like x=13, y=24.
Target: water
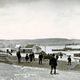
x=48, y=49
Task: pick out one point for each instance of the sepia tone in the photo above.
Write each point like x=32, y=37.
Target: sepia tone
x=39, y=40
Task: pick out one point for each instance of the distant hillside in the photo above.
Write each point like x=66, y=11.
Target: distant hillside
x=45, y=41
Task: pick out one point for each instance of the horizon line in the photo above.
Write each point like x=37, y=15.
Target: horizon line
x=38, y=38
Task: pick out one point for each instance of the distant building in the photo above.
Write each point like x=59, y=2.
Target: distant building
x=31, y=48
x=17, y=47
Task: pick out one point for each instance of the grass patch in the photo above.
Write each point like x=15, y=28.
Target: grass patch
x=62, y=65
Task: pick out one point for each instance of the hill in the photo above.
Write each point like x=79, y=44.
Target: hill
x=44, y=41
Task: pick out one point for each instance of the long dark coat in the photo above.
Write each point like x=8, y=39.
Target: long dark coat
x=53, y=62
x=18, y=55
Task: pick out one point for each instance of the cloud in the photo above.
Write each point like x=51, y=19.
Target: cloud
x=40, y=19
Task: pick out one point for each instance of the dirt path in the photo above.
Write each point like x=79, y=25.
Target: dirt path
x=14, y=72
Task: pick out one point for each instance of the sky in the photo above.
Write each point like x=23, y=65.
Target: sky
x=33, y=19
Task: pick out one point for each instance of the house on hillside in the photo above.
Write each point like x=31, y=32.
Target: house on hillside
x=31, y=48
x=17, y=47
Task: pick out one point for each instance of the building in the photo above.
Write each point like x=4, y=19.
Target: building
x=31, y=48
x=17, y=47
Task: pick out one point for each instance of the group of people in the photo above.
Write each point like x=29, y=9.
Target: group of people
x=52, y=60
x=31, y=57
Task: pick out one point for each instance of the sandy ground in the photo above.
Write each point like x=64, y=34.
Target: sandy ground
x=14, y=72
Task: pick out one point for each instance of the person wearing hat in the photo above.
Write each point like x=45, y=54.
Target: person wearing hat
x=69, y=60
x=19, y=56
x=40, y=58
x=53, y=63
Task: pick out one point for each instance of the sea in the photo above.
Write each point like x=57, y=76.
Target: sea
x=48, y=49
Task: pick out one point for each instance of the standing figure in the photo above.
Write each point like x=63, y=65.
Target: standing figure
x=53, y=63
x=40, y=58
x=30, y=56
x=69, y=60
x=57, y=56
x=33, y=56
x=19, y=56
x=26, y=57
x=61, y=55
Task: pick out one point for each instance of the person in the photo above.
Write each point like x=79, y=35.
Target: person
x=53, y=63
x=40, y=58
x=69, y=60
x=33, y=56
x=57, y=56
x=26, y=57
x=9, y=52
x=30, y=56
x=19, y=56
x=61, y=55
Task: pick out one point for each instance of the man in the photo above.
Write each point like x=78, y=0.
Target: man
x=18, y=56
x=53, y=63
x=33, y=56
x=26, y=57
x=69, y=60
x=40, y=58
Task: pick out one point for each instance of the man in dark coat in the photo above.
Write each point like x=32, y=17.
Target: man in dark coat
x=26, y=57
x=19, y=56
x=40, y=58
x=69, y=60
x=53, y=63
x=33, y=56
x=30, y=56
